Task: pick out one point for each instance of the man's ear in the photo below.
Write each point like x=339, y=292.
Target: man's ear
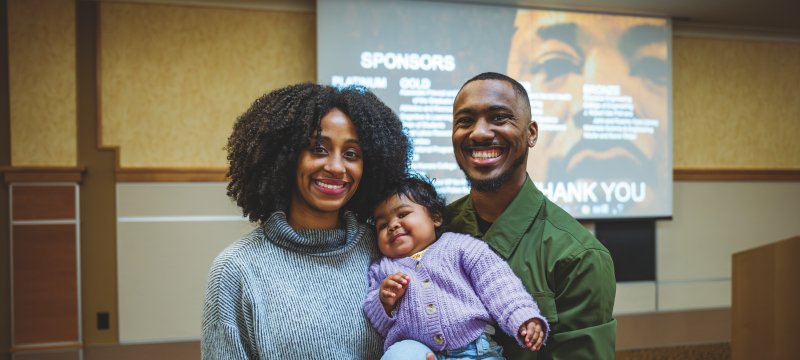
x=533, y=133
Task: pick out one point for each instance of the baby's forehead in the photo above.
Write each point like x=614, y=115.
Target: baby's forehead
x=392, y=204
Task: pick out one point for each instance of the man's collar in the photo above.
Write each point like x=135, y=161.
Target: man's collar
x=506, y=232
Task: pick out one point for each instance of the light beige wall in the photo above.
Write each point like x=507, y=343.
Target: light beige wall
x=713, y=220
x=42, y=87
x=174, y=78
x=635, y=298
x=167, y=236
x=736, y=104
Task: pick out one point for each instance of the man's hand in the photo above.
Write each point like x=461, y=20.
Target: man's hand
x=393, y=288
x=532, y=334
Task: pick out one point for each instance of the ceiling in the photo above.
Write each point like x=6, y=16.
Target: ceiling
x=770, y=19
x=764, y=16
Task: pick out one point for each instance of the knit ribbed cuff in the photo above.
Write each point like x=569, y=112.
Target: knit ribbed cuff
x=377, y=315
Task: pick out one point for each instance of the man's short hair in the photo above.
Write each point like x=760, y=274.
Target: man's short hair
x=518, y=88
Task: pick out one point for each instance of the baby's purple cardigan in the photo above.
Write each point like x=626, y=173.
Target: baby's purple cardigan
x=470, y=287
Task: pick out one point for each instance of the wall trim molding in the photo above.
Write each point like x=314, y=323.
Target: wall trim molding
x=17, y=174
x=171, y=174
x=67, y=345
x=736, y=175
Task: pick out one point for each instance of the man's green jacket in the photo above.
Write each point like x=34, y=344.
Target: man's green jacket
x=567, y=270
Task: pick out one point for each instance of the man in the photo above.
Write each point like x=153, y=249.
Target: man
x=600, y=85
x=568, y=272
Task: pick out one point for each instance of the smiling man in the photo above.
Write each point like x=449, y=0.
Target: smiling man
x=567, y=270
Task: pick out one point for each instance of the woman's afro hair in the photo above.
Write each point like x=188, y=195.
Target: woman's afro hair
x=268, y=138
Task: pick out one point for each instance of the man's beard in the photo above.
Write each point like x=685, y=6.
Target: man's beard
x=492, y=185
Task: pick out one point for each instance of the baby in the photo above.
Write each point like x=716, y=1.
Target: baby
x=442, y=292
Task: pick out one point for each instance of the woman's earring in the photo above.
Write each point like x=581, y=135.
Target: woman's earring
x=531, y=142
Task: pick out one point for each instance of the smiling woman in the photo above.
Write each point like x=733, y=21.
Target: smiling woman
x=306, y=163
x=328, y=173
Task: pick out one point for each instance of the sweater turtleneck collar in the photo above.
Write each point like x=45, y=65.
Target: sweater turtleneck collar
x=319, y=242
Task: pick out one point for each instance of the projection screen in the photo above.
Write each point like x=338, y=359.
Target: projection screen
x=600, y=89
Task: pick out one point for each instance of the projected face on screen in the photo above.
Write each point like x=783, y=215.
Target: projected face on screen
x=599, y=85
x=599, y=91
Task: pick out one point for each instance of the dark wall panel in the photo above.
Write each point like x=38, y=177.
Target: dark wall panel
x=633, y=247
x=43, y=202
x=45, y=295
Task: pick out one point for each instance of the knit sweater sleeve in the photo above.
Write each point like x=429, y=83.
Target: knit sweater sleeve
x=500, y=290
x=224, y=332
x=222, y=341
x=373, y=308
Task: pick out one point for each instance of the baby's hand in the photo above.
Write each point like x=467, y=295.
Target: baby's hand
x=393, y=288
x=532, y=334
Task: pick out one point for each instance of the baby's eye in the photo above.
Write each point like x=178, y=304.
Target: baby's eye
x=380, y=226
x=403, y=214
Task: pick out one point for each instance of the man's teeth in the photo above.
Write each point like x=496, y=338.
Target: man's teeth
x=485, y=154
x=330, y=186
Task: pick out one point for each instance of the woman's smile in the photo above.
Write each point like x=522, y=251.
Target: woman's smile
x=331, y=187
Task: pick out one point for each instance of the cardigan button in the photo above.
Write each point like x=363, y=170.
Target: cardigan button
x=426, y=283
x=430, y=309
x=438, y=339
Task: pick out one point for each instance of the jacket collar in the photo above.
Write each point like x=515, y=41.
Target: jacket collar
x=507, y=231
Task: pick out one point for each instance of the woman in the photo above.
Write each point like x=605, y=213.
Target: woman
x=306, y=163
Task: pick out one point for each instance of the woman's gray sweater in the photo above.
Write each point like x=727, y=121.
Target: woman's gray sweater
x=286, y=294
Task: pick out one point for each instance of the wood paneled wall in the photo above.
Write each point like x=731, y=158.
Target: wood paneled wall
x=45, y=270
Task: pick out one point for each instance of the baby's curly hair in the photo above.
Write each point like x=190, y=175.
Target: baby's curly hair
x=268, y=138
x=419, y=189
